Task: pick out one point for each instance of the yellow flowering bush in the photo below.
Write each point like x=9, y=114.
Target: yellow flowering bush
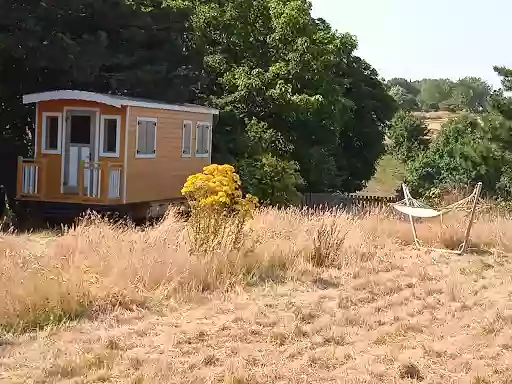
x=218, y=186
x=218, y=209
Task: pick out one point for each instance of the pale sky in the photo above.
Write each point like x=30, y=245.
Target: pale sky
x=426, y=38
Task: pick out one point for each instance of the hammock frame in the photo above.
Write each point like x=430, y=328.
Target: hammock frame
x=475, y=196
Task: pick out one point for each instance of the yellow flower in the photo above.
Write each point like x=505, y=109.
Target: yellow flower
x=218, y=186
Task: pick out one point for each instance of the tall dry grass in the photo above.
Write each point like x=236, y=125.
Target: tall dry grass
x=100, y=266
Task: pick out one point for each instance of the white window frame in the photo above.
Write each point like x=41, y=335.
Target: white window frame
x=145, y=156
x=183, y=137
x=209, y=144
x=59, y=133
x=118, y=135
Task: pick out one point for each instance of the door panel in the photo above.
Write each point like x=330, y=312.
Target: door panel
x=84, y=156
x=73, y=166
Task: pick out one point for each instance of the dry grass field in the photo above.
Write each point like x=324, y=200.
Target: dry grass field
x=435, y=120
x=301, y=298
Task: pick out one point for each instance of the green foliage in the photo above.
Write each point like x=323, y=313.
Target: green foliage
x=274, y=180
x=270, y=62
x=260, y=154
x=410, y=87
x=434, y=92
x=471, y=148
x=470, y=94
x=506, y=76
x=295, y=97
x=407, y=134
x=388, y=177
x=405, y=100
x=467, y=150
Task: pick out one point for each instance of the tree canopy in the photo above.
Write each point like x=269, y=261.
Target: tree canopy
x=469, y=94
x=300, y=111
x=102, y=46
x=469, y=149
x=408, y=136
x=319, y=103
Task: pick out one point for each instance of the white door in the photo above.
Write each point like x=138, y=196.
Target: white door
x=79, y=146
x=78, y=153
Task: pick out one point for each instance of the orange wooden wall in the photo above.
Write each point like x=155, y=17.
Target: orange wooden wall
x=163, y=177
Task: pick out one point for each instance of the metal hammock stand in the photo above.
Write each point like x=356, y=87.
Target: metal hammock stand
x=415, y=208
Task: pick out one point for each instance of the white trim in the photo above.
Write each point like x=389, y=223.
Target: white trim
x=209, y=139
x=117, y=118
x=56, y=151
x=145, y=156
x=125, y=170
x=36, y=131
x=113, y=100
x=183, y=138
x=63, y=151
x=69, y=95
x=96, y=179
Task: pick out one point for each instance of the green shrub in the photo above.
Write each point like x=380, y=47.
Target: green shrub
x=407, y=134
x=468, y=149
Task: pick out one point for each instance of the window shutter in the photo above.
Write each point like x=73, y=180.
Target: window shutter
x=141, y=132
x=150, y=137
x=199, y=140
x=206, y=139
x=187, y=135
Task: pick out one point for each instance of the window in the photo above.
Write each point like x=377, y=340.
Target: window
x=146, y=137
x=203, y=139
x=110, y=132
x=186, y=141
x=80, y=129
x=52, y=128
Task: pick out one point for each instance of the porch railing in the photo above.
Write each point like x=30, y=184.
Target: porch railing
x=100, y=181
x=31, y=180
x=115, y=172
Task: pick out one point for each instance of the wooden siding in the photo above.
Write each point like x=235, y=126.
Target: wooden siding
x=162, y=177
x=53, y=162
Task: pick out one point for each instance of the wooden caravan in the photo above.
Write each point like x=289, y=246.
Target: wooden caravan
x=110, y=152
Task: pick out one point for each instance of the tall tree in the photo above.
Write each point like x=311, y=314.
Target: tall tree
x=434, y=92
x=103, y=46
x=408, y=136
x=269, y=61
x=471, y=94
x=411, y=87
x=405, y=100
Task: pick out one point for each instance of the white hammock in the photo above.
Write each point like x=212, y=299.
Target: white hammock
x=417, y=212
x=415, y=208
